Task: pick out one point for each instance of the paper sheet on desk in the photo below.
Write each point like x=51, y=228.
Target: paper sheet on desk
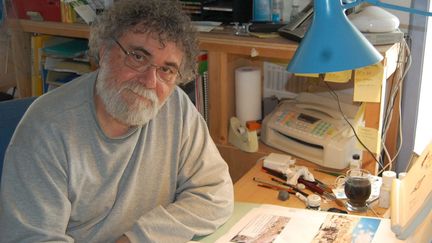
x=270, y=223
x=206, y=26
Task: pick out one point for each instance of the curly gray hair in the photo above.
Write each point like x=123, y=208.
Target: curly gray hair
x=162, y=18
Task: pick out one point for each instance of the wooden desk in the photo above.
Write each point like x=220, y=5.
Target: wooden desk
x=247, y=190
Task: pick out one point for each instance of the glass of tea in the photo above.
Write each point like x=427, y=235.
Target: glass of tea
x=357, y=189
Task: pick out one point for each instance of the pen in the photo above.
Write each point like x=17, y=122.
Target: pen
x=310, y=185
x=277, y=188
x=323, y=186
x=291, y=186
x=272, y=185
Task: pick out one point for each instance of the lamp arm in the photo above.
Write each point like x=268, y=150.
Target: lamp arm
x=387, y=5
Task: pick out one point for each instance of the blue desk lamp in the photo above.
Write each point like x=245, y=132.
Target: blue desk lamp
x=333, y=44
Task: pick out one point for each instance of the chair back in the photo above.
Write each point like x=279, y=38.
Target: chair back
x=11, y=112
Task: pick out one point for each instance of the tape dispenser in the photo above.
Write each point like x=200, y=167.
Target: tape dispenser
x=241, y=137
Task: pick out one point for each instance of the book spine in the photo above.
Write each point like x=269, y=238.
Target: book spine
x=37, y=43
x=205, y=96
x=83, y=9
x=67, y=12
x=203, y=84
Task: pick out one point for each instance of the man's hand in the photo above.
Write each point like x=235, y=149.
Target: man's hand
x=123, y=239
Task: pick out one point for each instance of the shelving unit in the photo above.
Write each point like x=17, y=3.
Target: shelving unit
x=226, y=52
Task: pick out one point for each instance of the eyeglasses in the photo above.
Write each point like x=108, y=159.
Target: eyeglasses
x=140, y=62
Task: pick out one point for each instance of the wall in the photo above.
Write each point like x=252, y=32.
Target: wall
x=404, y=17
x=412, y=85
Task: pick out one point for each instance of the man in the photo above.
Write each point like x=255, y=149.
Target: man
x=120, y=154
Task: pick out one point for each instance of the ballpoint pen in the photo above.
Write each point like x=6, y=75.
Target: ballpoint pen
x=277, y=188
x=274, y=186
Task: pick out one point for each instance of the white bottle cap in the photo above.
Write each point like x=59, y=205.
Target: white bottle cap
x=388, y=177
x=402, y=175
x=314, y=200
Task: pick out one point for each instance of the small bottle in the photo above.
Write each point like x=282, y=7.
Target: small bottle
x=277, y=11
x=295, y=9
x=355, y=162
x=384, y=196
x=313, y=202
x=401, y=175
x=287, y=6
x=261, y=10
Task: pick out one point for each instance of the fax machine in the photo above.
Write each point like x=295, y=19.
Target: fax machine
x=311, y=127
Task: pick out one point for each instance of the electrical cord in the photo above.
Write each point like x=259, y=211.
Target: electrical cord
x=336, y=97
x=390, y=107
x=389, y=112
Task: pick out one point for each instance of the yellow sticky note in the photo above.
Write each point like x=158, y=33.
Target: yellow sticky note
x=338, y=77
x=367, y=83
x=312, y=75
x=360, y=113
x=369, y=137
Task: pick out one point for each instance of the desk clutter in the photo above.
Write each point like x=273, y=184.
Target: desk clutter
x=288, y=179
x=276, y=217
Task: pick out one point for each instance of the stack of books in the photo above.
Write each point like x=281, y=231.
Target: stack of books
x=57, y=60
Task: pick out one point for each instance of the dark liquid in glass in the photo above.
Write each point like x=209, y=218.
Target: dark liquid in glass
x=357, y=191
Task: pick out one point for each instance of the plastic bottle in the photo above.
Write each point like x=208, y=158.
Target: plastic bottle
x=355, y=162
x=287, y=6
x=277, y=11
x=261, y=10
x=295, y=9
x=384, y=197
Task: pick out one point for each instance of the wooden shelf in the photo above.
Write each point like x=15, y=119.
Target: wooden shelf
x=51, y=28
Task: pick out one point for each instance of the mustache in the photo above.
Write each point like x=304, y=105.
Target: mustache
x=139, y=89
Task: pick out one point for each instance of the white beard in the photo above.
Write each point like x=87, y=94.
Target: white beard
x=135, y=114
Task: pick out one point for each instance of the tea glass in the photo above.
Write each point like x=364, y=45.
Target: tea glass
x=357, y=189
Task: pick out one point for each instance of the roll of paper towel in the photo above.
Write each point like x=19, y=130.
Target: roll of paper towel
x=248, y=93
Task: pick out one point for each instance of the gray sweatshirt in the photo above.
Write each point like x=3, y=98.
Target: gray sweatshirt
x=64, y=180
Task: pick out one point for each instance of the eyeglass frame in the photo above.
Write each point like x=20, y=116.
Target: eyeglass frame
x=129, y=54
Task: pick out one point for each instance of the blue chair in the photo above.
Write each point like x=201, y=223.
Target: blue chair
x=11, y=112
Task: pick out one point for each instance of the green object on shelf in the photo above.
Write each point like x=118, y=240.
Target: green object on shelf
x=68, y=49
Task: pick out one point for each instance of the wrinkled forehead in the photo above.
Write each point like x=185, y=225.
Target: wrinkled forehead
x=159, y=35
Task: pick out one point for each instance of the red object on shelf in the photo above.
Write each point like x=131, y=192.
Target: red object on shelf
x=49, y=9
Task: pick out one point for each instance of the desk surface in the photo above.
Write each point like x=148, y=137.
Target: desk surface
x=247, y=190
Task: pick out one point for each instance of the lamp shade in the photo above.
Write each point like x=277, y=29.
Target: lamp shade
x=332, y=43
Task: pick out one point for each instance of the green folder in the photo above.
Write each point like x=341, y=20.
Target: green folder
x=67, y=49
